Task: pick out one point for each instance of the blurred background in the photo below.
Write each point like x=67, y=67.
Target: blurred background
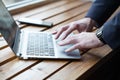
x=8, y=2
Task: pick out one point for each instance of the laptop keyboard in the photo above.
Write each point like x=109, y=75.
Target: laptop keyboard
x=40, y=44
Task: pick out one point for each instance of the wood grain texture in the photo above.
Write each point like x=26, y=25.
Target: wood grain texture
x=60, y=13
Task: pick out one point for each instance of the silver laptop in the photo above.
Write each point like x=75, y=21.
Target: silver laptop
x=31, y=45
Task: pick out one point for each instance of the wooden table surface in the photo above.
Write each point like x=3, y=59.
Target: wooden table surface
x=60, y=13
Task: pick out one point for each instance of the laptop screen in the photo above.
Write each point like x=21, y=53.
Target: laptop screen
x=8, y=27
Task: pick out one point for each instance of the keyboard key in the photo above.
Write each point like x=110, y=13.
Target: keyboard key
x=40, y=44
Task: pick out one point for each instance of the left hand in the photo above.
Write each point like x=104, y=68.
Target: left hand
x=82, y=41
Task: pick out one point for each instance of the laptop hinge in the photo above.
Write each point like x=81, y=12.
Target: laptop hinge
x=17, y=43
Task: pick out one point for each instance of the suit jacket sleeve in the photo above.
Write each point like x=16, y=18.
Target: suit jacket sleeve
x=111, y=32
x=101, y=10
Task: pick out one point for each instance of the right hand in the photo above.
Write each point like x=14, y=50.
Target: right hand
x=83, y=41
x=83, y=25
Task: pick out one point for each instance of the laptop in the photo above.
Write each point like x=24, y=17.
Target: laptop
x=31, y=45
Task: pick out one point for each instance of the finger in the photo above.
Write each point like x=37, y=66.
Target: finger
x=65, y=42
x=67, y=32
x=76, y=46
x=59, y=32
x=54, y=32
x=69, y=40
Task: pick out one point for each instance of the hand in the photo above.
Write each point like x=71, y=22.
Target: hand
x=82, y=41
x=83, y=25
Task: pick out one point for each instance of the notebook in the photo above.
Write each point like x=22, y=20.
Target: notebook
x=29, y=44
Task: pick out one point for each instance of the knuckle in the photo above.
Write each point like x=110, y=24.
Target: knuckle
x=61, y=29
x=73, y=24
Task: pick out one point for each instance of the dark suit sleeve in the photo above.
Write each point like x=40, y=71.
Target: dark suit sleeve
x=101, y=10
x=111, y=32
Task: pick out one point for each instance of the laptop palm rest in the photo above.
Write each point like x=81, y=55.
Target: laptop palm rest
x=60, y=51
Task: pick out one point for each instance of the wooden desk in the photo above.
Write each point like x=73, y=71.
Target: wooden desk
x=60, y=13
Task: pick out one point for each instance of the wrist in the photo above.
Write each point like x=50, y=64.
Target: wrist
x=99, y=35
